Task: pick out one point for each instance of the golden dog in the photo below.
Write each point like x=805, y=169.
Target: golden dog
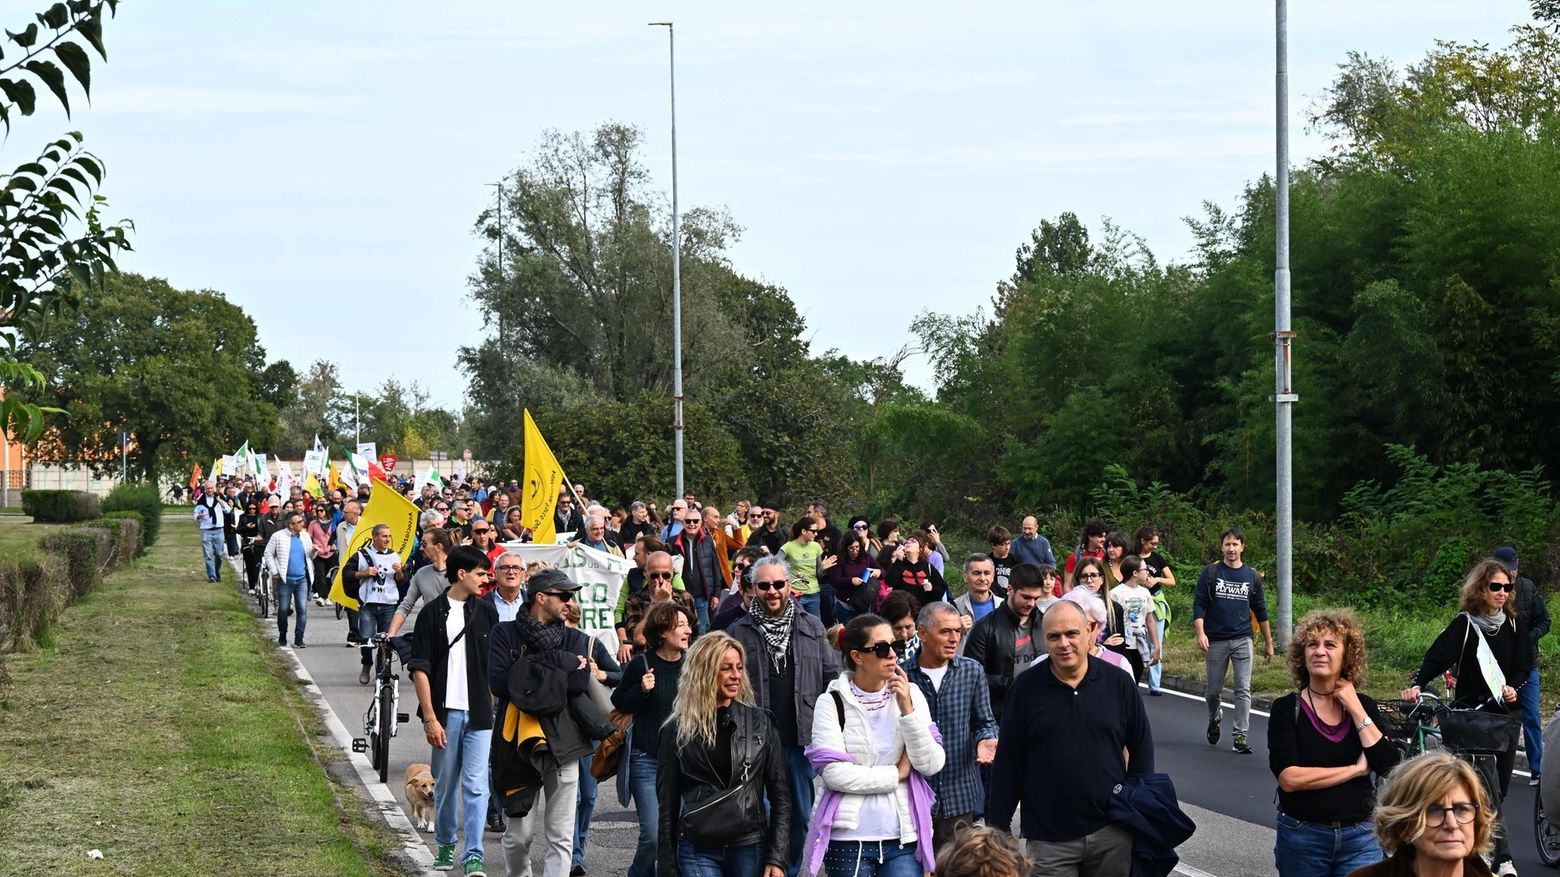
x=419, y=794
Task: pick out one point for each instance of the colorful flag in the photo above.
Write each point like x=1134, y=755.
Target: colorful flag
x=317, y=446
x=311, y=486
x=387, y=507
x=195, y=478
x=542, y=479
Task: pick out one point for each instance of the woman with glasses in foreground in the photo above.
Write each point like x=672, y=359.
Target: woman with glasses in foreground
x=874, y=743
x=1433, y=820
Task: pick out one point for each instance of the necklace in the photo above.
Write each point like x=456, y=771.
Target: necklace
x=872, y=701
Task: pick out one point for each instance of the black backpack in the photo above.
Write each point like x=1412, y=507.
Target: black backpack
x=537, y=688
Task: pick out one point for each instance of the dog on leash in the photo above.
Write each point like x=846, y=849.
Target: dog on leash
x=419, y=794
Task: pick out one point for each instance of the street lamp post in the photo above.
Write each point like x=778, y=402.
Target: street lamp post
x=1283, y=338
x=503, y=338
x=677, y=391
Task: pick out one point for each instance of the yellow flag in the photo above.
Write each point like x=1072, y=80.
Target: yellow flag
x=387, y=507
x=542, y=479
x=311, y=486
x=334, y=480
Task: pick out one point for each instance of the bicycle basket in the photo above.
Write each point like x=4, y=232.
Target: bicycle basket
x=1479, y=731
x=1395, y=721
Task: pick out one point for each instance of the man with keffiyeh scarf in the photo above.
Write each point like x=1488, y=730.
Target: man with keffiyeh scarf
x=789, y=664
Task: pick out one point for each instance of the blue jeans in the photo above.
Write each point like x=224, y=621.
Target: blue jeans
x=843, y=613
x=800, y=771
x=811, y=604
x=373, y=618
x=213, y=545
x=292, y=594
x=701, y=608
x=1532, y=722
x=1155, y=672
x=1308, y=849
x=826, y=603
x=583, y=810
x=462, y=768
x=641, y=780
x=747, y=861
x=871, y=858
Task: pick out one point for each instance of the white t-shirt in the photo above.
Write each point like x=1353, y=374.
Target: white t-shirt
x=455, y=690
x=380, y=589
x=1137, y=608
x=936, y=675
x=879, y=813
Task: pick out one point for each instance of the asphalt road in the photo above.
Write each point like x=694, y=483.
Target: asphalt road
x=1230, y=796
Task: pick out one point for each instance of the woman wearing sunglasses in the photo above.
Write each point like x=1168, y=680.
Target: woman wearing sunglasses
x=252, y=541
x=1488, y=623
x=874, y=743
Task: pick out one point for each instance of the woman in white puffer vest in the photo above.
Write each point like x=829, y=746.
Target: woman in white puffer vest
x=874, y=743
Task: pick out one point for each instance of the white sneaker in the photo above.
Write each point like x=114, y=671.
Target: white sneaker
x=1507, y=869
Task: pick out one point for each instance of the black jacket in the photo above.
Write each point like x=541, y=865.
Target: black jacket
x=991, y=645
x=1457, y=649
x=686, y=778
x=1532, y=612
x=575, y=523
x=430, y=656
x=566, y=738
x=767, y=540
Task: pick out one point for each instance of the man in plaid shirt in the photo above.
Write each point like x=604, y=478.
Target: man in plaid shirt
x=955, y=687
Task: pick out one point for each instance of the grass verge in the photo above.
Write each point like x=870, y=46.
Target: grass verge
x=163, y=730
x=19, y=537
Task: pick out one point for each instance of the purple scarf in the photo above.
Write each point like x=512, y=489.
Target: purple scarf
x=921, y=799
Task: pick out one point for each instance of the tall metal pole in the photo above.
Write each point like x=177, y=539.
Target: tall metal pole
x=677, y=391
x=502, y=338
x=1283, y=336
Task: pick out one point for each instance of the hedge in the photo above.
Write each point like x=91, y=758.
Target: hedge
x=60, y=506
x=84, y=551
x=128, y=530
x=143, y=499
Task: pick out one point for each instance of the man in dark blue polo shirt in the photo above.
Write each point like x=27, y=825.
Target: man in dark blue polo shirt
x=1065, y=726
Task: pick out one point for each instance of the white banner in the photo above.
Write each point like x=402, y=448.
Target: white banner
x=314, y=461
x=368, y=451
x=602, y=575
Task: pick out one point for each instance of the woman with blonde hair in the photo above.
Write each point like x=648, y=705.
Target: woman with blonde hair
x=719, y=757
x=1324, y=742
x=1486, y=645
x=1434, y=820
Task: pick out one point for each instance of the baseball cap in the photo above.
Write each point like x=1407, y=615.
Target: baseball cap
x=1507, y=555
x=549, y=580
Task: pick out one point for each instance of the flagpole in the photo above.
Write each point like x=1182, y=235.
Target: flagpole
x=677, y=390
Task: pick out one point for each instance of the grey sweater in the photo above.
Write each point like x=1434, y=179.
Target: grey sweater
x=427, y=585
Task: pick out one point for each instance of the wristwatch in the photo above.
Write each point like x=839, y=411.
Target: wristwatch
x=1363, y=725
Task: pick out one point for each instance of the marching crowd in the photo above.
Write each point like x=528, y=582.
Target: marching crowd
x=809, y=699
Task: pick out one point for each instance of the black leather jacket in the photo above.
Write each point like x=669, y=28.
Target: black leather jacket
x=685, y=775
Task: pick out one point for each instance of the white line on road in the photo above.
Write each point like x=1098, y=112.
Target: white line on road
x=412, y=842
x=1189, y=871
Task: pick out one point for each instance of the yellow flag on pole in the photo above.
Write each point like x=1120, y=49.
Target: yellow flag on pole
x=387, y=507
x=311, y=486
x=542, y=479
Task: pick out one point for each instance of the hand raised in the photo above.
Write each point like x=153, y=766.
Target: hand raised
x=647, y=681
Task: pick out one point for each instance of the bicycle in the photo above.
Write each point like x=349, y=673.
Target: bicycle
x=1545, y=834
x=262, y=590
x=381, y=722
x=1414, y=729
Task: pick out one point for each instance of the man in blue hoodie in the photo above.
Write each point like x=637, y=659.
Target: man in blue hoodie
x=1228, y=594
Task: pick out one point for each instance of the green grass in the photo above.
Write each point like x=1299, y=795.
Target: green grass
x=19, y=537
x=162, y=729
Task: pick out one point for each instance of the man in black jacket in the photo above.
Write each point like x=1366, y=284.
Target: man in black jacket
x=567, y=518
x=539, y=633
x=1009, y=636
x=449, y=670
x=1532, y=612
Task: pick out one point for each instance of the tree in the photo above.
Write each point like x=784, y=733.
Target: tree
x=316, y=409
x=180, y=371
x=42, y=201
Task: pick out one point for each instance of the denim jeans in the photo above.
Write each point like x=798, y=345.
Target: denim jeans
x=1532, y=721
x=1221, y=653
x=811, y=604
x=745, y=861
x=585, y=809
x=871, y=858
x=800, y=771
x=641, y=779
x=701, y=608
x=292, y=594
x=373, y=618
x=1155, y=672
x=213, y=548
x=462, y=767
x=843, y=613
x=826, y=603
x=1308, y=849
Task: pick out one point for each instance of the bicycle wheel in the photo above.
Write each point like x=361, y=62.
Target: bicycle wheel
x=263, y=594
x=382, y=733
x=1547, y=835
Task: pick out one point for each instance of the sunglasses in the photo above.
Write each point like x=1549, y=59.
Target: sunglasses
x=814, y=530
x=770, y=586
x=654, y=576
x=1502, y=586
x=476, y=530
x=691, y=521
x=896, y=649
x=859, y=527
x=564, y=596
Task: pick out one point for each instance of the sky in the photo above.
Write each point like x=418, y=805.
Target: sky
x=323, y=164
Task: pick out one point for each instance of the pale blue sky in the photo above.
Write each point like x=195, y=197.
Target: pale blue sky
x=322, y=163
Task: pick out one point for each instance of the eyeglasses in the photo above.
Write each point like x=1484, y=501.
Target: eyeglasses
x=814, y=530
x=1502, y=586
x=441, y=508
x=656, y=576
x=690, y=520
x=1090, y=576
x=476, y=530
x=859, y=527
x=740, y=567
x=896, y=648
x=564, y=596
x=770, y=586
x=756, y=516
x=504, y=569
x=1463, y=813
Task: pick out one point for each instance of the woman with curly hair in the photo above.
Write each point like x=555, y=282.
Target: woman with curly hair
x=720, y=757
x=1434, y=818
x=982, y=851
x=1324, y=742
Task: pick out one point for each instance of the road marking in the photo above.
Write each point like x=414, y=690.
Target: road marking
x=1230, y=706
x=412, y=843
x=1189, y=871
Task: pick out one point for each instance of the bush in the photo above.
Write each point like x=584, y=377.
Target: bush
x=85, y=551
x=127, y=530
x=143, y=499
x=60, y=506
x=32, y=595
